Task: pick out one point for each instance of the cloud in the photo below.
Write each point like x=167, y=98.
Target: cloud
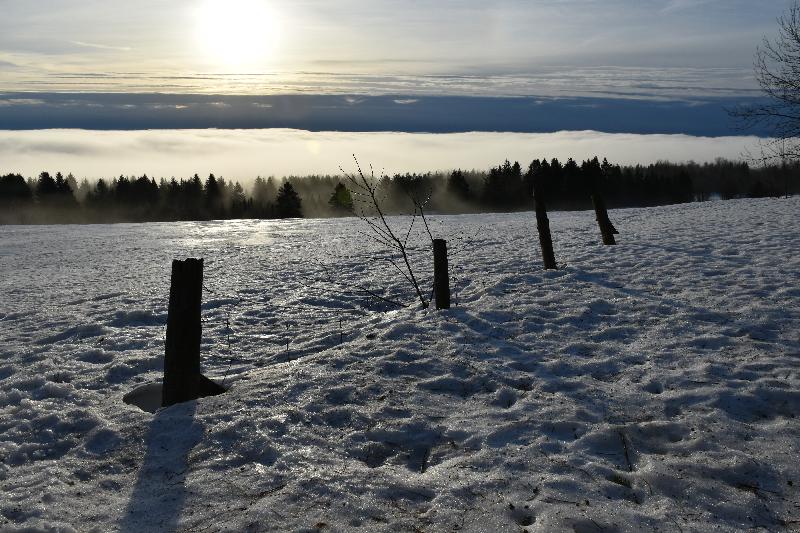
x=102, y=46
x=406, y=101
x=161, y=106
x=635, y=82
x=20, y=101
x=401, y=47
x=244, y=154
x=8, y=64
x=680, y=5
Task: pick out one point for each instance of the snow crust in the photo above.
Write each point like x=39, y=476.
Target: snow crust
x=651, y=386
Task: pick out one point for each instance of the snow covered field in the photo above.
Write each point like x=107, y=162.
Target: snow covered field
x=652, y=386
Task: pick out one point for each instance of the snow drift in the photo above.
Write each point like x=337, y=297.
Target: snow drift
x=648, y=386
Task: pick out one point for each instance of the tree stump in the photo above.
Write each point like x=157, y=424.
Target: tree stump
x=182, y=378
x=543, y=225
x=441, y=274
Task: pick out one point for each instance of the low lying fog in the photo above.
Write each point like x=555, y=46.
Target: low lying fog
x=245, y=154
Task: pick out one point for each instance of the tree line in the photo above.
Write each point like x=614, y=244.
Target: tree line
x=53, y=199
x=505, y=187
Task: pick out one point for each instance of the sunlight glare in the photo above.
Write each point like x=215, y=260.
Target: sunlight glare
x=237, y=33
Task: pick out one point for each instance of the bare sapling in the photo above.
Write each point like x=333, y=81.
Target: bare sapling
x=367, y=206
x=441, y=273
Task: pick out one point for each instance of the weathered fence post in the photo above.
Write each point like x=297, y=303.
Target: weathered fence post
x=182, y=378
x=441, y=275
x=543, y=225
x=607, y=229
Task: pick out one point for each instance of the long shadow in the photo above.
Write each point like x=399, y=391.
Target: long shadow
x=734, y=260
x=160, y=494
x=602, y=279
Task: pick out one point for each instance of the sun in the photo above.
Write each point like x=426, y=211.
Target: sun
x=237, y=33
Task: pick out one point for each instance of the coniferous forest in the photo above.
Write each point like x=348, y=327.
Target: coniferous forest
x=507, y=187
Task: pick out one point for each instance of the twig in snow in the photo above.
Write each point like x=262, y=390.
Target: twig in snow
x=680, y=529
x=426, y=456
x=601, y=528
x=625, y=449
x=228, y=337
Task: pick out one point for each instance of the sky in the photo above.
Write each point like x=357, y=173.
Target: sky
x=643, y=67
x=51, y=44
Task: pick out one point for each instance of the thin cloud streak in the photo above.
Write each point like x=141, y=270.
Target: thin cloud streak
x=102, y=46
x=554, y=81
x=680, y=5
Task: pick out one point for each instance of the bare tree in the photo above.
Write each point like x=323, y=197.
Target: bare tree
x=367, y=206
x=777, y=70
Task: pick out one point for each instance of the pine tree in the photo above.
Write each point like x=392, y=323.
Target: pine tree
x=238, y=200
x=83, y=191
x=503, y=187
x=288, y=203
x=534, y=172
x=341, y=199
x=14, y=189
x=61, y=184
x=264, y=193
x=457, y=185
x=72, y=183
x=46, y=188
x=213, y=196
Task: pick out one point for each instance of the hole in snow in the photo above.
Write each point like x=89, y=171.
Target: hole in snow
x=146, y=397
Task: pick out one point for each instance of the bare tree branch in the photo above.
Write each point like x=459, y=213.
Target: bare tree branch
x=367, y=194
x=777, y=70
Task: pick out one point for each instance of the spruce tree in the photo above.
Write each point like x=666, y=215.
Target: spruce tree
x=46, y=188
x=13, y=189
x=341, y=200
x=457, y=185
x=503, y=187
x=288, y=203
x=213, y=196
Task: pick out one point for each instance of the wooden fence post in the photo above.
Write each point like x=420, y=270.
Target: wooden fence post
x=607, y=229
x=441, y=275
x=182, y=378
x=543, y=225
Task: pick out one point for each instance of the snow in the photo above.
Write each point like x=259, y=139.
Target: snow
x=651, y=386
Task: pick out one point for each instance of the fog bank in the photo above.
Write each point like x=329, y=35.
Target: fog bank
x=245, y=154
